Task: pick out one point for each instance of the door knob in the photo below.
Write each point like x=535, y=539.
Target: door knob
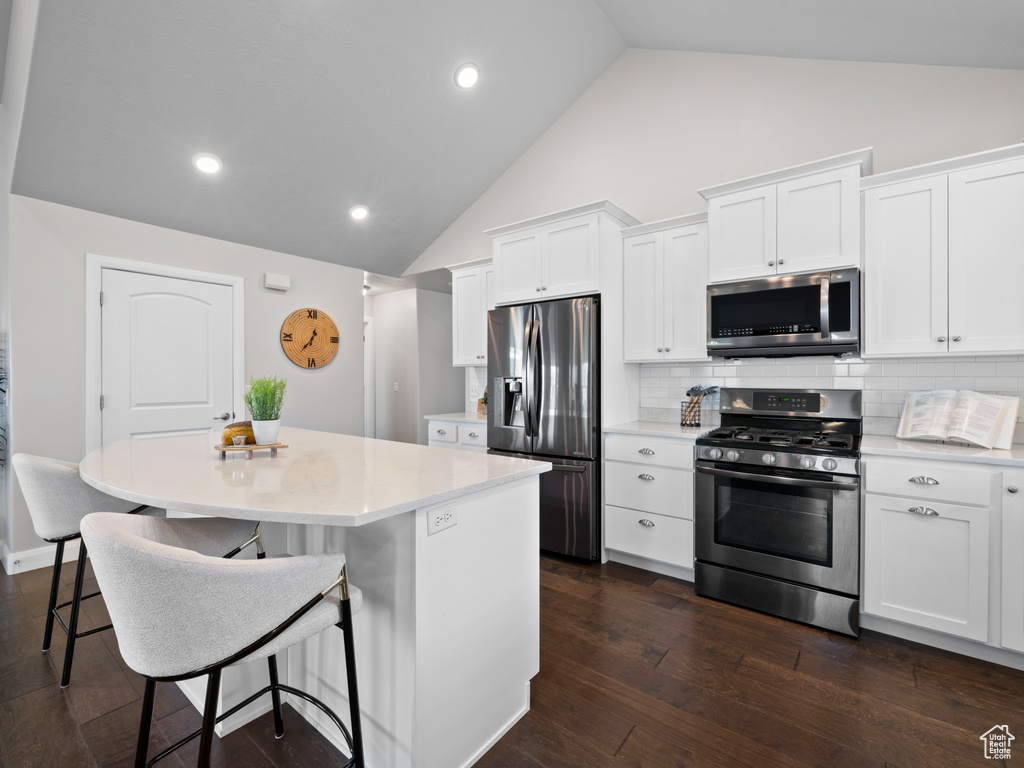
x=223, y=417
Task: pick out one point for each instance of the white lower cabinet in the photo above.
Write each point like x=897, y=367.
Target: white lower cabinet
x=927, y=564
x=648, y=499
x=1012, y=575
x=456, y=435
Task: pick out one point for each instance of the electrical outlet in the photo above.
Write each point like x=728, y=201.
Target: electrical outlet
x=396, y=386
x=440, y=518
x=474, y=391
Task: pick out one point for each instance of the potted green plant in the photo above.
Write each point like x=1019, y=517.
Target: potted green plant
x=264, y=399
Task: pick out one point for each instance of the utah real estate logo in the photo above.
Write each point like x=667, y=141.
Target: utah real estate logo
x=997, y=742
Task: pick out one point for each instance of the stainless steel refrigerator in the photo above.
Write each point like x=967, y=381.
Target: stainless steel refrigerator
x=544, y=402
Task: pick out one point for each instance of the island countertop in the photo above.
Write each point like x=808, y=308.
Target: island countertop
x=322, y=478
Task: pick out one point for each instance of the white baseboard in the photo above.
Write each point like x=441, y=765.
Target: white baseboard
x=33, y=559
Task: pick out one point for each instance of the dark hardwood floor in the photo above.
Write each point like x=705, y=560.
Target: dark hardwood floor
x=636, y=670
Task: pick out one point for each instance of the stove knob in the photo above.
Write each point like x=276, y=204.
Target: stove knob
x=807, y=462
x=829, y=464
x=714, y=453
x=733, y=455
x=768, y=458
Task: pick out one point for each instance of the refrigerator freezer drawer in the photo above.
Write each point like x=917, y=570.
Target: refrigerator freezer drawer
x=648, y=488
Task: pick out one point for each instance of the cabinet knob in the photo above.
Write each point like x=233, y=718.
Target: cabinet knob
x=646, y=451
x=661, y=349
x=538, y=289
x=543, y=287
x=473, y=434
x=941, y=338
x=926, y=511
x=922, y=480
x=441, y=432
x=956, y=338
x=1011, y=489
x=771, y=263
x=781, y=262
x=646, y=523
x=668, y=349
x=645, y=476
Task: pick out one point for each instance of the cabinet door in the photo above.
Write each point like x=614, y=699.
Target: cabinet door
x=931, y=571
x=905, y=269
x=986, y=259
x=819, y=221
x=643, y=298
x=490, y=297
x=686, y=277
x=1013, y=561
x=570, y=265
x=517, y=272
x=741, y=235
x=469, y=342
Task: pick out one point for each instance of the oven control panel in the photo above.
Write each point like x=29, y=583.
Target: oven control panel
x=803, y=402
x=840, y=465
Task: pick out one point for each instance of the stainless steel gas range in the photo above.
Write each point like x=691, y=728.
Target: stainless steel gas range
x=777, y=505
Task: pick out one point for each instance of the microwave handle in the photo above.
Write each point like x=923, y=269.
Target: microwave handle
x=825, y=284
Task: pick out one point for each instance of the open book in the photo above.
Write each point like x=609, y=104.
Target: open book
x=945, y=414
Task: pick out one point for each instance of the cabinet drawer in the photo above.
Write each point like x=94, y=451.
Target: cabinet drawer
x=677, y=454
x=473, y=435
x=651, y=489
x=954, y=483
x=442, y=432
x=667, y=539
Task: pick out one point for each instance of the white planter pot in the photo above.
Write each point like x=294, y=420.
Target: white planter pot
x=265, y=432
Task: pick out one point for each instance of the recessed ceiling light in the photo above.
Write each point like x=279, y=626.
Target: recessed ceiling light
x=358, y=212
x=467, y=75
x=206, y=162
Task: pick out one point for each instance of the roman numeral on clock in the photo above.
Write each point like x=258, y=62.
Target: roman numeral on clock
x=311, y=363
x=311, y=314
x=334, y=339
x=286, y=337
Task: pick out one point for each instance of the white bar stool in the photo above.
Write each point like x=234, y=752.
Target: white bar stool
x=58, y=499
x=180, y=614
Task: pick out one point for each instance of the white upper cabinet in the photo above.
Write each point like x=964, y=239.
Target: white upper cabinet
x=554, y=256
x=472, y=297
x=664, y=286
x=943, y=266
x=799, y=219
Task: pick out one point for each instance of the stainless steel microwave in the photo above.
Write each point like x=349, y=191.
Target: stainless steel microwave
x=787, y=315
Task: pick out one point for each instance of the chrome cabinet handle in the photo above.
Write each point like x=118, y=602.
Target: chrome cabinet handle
x=646, y=451
x=956, y=338
x=441, y=432
x=661, y=349
x=538, y=289
x=223, y=417
x=922, y=480
x=1011, y=489
x=926, y=511
x=668, y=349
x=771, y=263
x=646, y=523
x=473, y=434
x=941, y=338
x=781, y=262
x=645, y=476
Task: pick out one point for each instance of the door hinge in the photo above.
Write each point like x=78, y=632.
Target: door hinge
x=101, y=298
x=101, y=402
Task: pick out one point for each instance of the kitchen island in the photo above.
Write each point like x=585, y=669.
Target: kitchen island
x=443, y=544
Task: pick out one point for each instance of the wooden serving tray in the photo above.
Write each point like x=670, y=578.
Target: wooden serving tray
x=249, y=448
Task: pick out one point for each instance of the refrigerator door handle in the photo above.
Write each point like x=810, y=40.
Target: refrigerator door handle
x=527, y=397
x=538, y=377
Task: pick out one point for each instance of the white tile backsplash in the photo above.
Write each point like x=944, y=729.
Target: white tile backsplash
x=885, y=384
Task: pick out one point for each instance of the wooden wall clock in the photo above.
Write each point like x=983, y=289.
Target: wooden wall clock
x=309, y=337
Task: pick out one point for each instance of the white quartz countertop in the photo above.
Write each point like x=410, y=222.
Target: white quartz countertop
x=322, y=478
x=471, y=417
x=879, y=445
x=656, y=429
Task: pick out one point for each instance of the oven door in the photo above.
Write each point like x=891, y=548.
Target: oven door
x=802, y=527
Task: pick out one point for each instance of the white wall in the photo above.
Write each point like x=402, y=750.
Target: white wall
x=659, y=125
x=414, y=349
x=47, y=271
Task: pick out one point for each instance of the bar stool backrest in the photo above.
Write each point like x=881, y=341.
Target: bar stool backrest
x=58, y=498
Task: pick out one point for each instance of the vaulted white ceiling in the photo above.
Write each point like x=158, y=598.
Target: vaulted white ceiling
x=316, y=105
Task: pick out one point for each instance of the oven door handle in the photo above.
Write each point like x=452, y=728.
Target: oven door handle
x=826, y=484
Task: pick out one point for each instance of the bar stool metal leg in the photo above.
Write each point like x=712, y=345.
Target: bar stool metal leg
x=76, y=604
x=142, y=749
x=54, y=587
x=353, y=688
x=209, y=719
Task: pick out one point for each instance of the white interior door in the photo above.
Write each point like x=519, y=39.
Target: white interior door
x=369, y=381
x=166, y=355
